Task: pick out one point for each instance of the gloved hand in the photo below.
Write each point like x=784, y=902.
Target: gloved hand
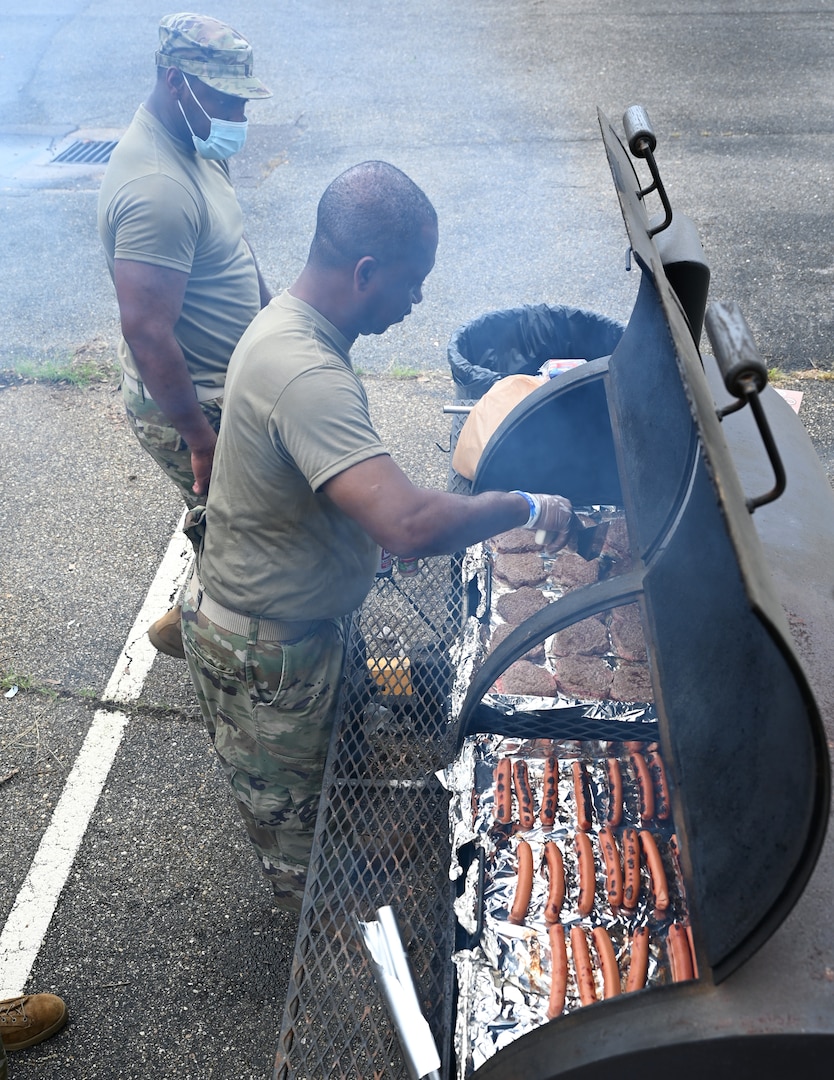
x=552, y=518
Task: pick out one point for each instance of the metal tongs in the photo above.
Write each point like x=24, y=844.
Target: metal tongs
x=585, y=540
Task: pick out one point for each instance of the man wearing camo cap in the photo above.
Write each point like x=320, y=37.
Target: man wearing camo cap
x=186, y=280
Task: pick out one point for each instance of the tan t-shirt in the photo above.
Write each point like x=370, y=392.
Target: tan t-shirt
x=161, y=203
x=295, y=415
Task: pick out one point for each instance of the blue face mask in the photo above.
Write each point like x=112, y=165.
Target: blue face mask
x=225, y=138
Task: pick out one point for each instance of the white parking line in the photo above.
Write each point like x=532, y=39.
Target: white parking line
x=138, y=655
x=32, y=912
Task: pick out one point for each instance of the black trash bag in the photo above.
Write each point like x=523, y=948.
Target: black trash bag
x=519, y=340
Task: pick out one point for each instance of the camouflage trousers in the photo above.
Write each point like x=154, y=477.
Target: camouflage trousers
x=269, y=708
x=163, y=442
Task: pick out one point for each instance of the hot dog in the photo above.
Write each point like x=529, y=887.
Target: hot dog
x=581, y=796
x=556, y=879
x=675, y=852
x=615, y=791
x=524, y=884
x=660, y=887
x=631, y=868
x=582, y=966
x=550, y=790
x=558, y=970
x=638, y=964
x=524, y=794
x=692, y=951
x=680, y=958
x=504, y=791
x=644, y=785
x=657, y=771
x=613, y=867
x=587, y=873
x=607, y=962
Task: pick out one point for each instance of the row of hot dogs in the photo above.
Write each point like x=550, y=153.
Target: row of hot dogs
x=679, y=953
x=622, y=874
x=622, y=887
x=513, y=778
x=626, y=830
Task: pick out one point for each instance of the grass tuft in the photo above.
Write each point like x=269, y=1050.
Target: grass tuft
x=404, y=371
x=92, y=362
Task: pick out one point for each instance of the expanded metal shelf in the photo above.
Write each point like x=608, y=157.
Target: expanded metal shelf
x=381, y=836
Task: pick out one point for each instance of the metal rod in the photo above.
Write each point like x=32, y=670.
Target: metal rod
x=739, y=403
x=772, y=453
x=661, y=191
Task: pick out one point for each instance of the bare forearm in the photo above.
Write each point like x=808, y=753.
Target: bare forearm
x=441, y=523
x=416, y=521
x=165, y=375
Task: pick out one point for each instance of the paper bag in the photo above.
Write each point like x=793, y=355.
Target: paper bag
x=485, y=417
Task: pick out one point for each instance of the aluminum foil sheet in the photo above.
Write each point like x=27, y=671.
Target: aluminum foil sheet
x=504, y=972
x=591, y=825
x=389, y=962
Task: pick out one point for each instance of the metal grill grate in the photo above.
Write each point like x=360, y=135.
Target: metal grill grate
x=381, y=836
x=86, y=152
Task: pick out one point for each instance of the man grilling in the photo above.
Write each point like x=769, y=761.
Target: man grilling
x=303, y=496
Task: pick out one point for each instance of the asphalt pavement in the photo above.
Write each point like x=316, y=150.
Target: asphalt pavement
x=164, y=940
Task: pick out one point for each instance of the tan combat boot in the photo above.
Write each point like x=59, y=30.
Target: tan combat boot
x=165, y=634
x=30, y=1018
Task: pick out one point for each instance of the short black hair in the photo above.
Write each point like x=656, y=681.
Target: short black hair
x=370, y=209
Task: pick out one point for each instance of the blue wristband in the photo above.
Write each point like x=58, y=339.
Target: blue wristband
x=534, y=509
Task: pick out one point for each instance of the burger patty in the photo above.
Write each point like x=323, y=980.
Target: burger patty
x=522, y=568
x=632, y=682
x=583, y=676
x=570, y=570
x=528, y=679
x=515, y=607
x=588, y=637
x=614, y=567
x=514, y=541
x=627, y=633
x=616, y=539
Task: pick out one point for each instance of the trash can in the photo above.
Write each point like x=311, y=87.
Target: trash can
x=519, y=340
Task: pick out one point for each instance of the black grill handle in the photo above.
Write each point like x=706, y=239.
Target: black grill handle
x=638, y=131
x=745, y=376
x=642, y=142
x=739, y=361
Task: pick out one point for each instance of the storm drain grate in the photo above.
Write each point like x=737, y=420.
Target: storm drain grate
x=86, y=152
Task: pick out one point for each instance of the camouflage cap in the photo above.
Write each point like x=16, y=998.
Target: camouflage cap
x=211, y=50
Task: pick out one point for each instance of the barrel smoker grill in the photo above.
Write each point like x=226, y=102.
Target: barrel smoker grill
x=732, y=577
